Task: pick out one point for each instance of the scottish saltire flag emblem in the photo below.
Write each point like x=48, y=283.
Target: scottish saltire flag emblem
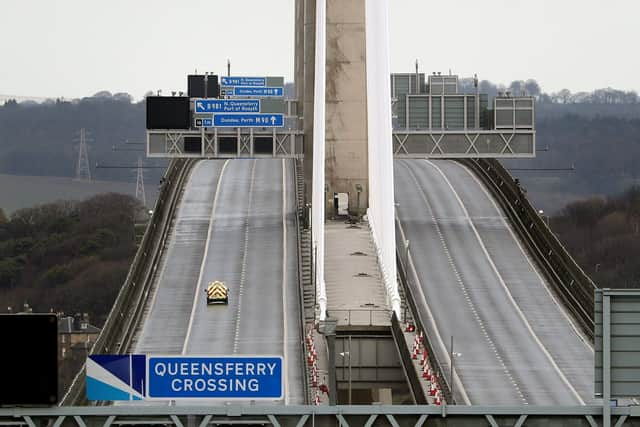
x=116, y=377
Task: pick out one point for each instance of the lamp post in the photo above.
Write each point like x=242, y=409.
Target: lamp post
x=348, y=354
x=544, y=217
x=452, y=357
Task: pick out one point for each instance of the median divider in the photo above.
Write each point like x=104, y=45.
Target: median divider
x=406, y=360
x=120, y=327
x=402, y=262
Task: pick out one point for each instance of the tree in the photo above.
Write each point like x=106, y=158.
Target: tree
x=516, y=87
x=3, y=217
x=122, y=97
x=532, y=87
x=103, y=94
x=562, y=97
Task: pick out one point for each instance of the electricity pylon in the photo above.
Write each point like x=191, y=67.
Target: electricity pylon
x=140, y=195
x=83, y=171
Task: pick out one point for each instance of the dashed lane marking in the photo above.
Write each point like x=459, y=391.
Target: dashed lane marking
x=243, y=271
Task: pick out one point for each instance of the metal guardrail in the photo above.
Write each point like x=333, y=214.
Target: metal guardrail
x=362, y=316
x=301, y=324
x=357, y=415
x=434, y=361
x=407, y=362
x=119, y=329
x=569, y=281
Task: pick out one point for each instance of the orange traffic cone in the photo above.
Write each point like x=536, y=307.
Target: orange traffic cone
x=438, y=400
x=432, y=387
x=424, y=356
x=426, y=372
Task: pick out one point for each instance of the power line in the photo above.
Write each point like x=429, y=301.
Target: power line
x=99, y=166
x=572, y=168
x=115, y=148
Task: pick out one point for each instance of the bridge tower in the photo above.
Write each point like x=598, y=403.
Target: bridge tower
x=342, y=54
x=346, y=149
x=346, y=153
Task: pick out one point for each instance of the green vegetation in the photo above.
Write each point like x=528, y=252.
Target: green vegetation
x=603, y=236
x=67, y=256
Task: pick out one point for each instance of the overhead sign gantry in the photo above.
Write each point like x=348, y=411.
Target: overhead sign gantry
x=433, y=119
x=235, y=117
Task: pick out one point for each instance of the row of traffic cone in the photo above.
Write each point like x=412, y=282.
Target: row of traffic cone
x=419, y=352
x=312, y=361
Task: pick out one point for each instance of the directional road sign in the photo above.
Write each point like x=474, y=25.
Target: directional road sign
x=224, y=377
x=227, y=105
x=203, y=122
x=254, y=91
x=244, y=81
x=248, y=120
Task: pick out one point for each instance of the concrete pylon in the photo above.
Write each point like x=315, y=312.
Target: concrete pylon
x=346, y=98
x=347, y=165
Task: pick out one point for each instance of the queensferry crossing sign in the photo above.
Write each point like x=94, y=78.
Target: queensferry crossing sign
x=214, y=377
x=184, y=377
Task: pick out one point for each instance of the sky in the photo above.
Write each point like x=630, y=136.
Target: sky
x=75, y=48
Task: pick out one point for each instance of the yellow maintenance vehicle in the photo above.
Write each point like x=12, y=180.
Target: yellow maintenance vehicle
x=217, y=293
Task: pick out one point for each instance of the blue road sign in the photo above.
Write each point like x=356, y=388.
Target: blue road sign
x=116, y=377
x=203, y=122
x=248, y=120
x=243, y=81
x=224, y=377
x=255, y=91
x=227, y=105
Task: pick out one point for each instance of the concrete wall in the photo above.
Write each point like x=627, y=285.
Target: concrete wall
x=346, y=104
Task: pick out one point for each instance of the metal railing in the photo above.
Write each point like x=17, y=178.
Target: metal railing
x=357, y=415
x=301, y=324
x=362, y=316
x=406, y=361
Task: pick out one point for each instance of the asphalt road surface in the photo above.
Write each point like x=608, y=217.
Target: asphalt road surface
x=472, y=279
x=236, y=223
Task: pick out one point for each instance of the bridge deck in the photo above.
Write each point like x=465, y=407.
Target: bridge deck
x=355, y=291
x=515, y=343
x=236, y=223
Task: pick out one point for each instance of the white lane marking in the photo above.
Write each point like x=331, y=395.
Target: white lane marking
x=204, y=259
x=528, y=258
x=443, y=348
x=284, y=284
x=163, y=268
x=504, y=286
x=461, y=283
x=243, y=271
